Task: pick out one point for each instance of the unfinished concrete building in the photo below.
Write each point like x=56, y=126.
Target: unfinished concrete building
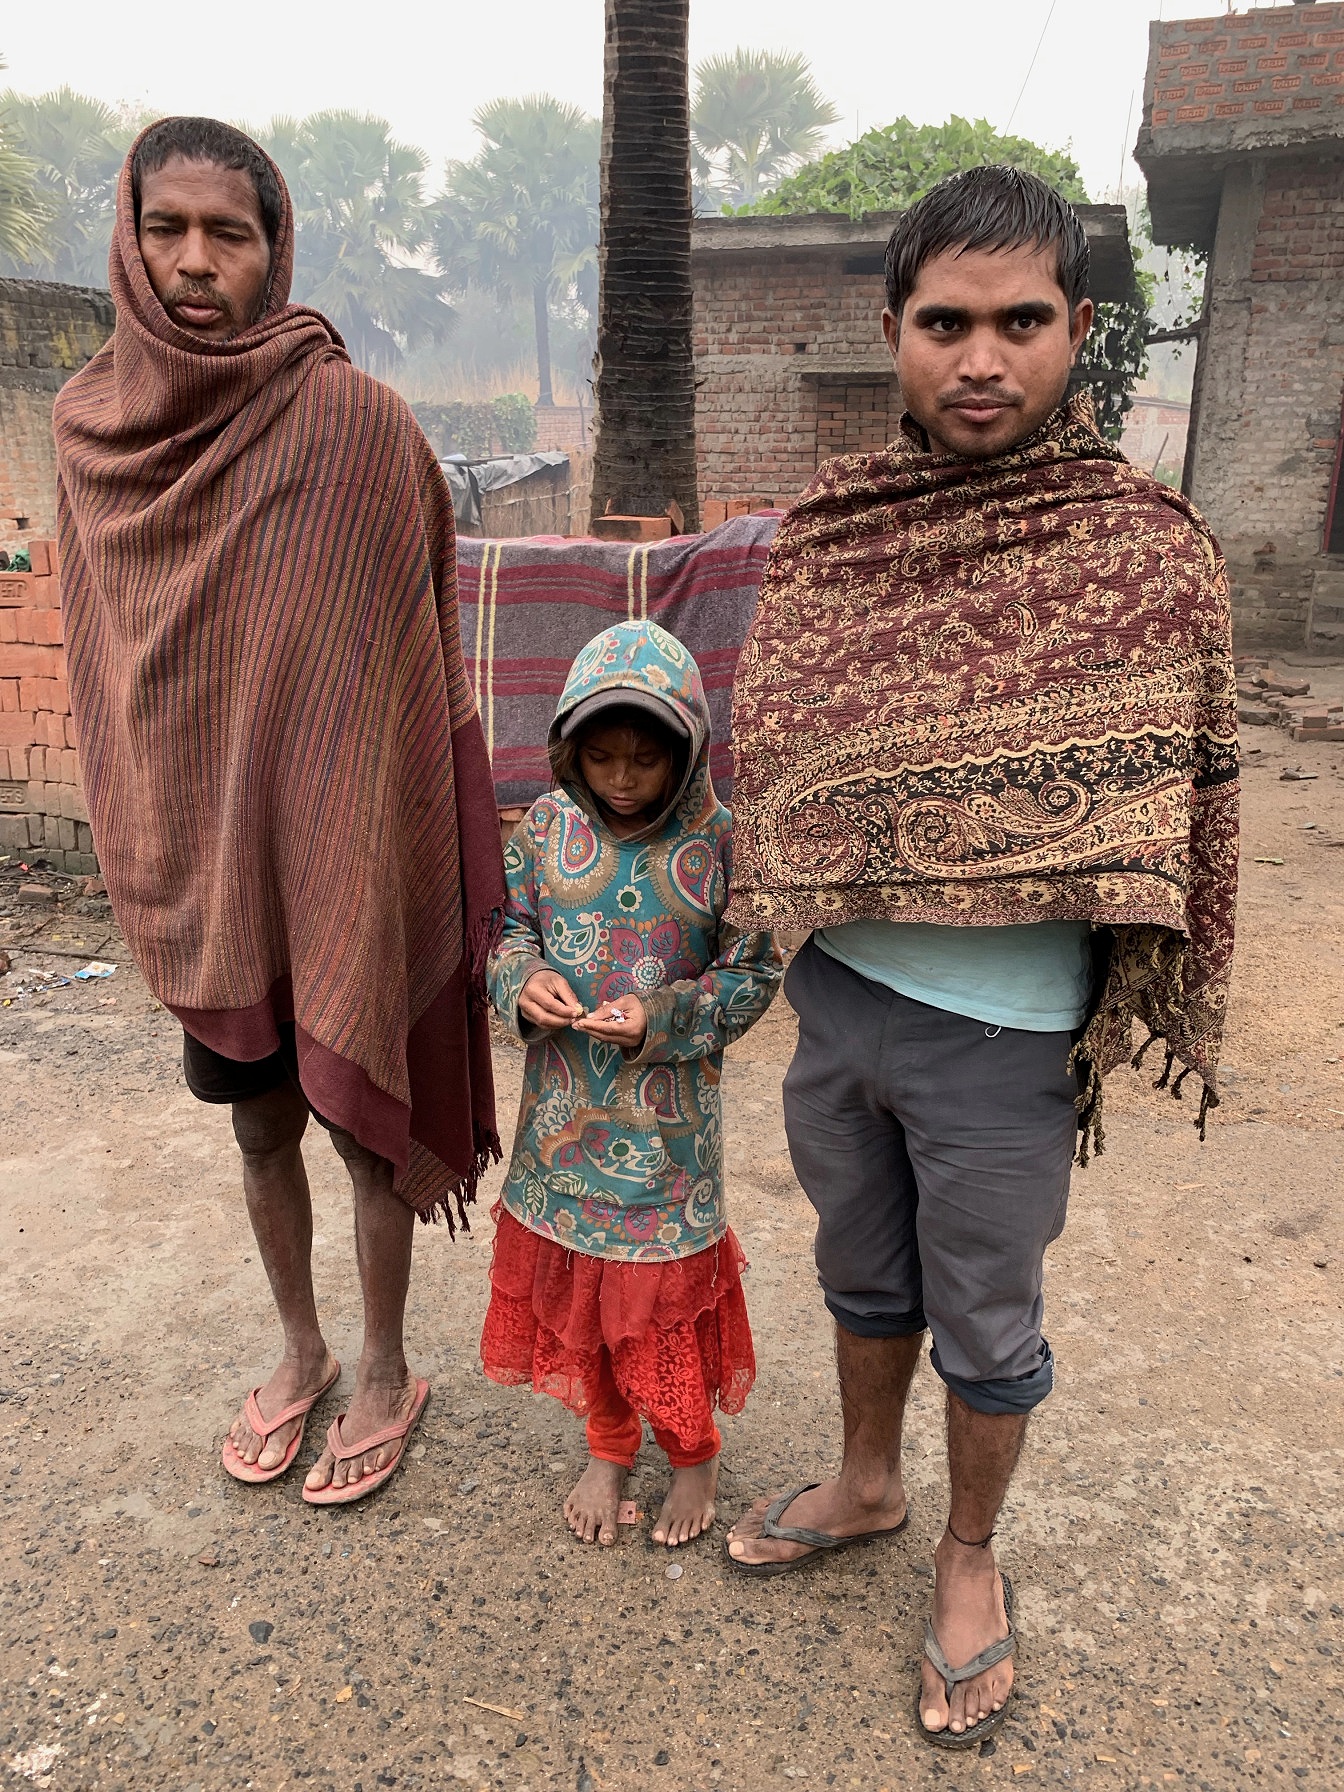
x=1242, y=143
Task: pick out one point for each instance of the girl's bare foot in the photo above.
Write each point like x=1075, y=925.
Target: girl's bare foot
x=590, y=1510
x=688, y=1509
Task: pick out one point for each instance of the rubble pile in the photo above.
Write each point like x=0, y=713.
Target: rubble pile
x=1266, y=698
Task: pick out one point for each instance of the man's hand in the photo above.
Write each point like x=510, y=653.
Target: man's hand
x=622, y=1022
x=547, y=1001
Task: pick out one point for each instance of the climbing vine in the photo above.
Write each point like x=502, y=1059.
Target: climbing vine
x=1115, y=356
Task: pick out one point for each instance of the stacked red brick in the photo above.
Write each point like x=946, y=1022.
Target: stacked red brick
x=854, y=418
x=42, y=809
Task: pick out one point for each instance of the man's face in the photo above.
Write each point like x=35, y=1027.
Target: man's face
x=983, y=347
x=204, y=246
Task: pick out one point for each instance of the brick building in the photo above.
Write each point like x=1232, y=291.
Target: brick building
x=1242, y=143
x=1155, y=433
x=47, y=332
x=42, y=810
x=790, y=362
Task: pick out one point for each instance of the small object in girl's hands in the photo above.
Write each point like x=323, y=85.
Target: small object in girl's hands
x=628, y=1513
x=618, y=1015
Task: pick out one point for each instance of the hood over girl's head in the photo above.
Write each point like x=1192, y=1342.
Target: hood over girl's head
x=630, y=741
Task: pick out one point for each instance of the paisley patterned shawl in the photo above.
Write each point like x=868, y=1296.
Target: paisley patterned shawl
x=1002, y=692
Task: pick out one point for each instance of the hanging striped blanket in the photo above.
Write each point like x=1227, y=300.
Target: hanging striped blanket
x=528, y=606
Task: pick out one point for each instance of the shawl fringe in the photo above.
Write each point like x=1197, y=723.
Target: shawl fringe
x=451, y=1206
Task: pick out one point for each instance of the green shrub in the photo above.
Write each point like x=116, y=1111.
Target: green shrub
x=504, y=425
x=515, y=423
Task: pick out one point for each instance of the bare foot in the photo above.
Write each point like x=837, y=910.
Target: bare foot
x=968, y=1615
x=590, y=1510
x=833, y=1507
x=297, y=1378
x=381, y=1398
x=688, y=1509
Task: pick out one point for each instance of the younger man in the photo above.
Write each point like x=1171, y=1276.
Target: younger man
x=985, y=736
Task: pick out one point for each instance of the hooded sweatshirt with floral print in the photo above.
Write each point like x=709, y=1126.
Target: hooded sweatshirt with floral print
x=619, y=1154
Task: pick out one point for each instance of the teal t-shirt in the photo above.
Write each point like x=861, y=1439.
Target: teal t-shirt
x=1037, y=977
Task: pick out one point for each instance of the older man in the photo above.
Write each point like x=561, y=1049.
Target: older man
x=985, y=730
x=285, y=772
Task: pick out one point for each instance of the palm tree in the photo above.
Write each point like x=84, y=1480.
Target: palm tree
x=360, y=228
x=756, y=115
x=76, y=145
x=23, y=217
x=645, y=452
x=520, y=219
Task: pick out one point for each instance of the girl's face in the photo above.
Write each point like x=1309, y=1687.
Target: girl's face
x=626, y=770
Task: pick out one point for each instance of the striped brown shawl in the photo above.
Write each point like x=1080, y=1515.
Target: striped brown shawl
x=979, y=693
x=285, y=771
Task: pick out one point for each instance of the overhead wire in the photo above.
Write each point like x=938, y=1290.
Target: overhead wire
x=1030, y=66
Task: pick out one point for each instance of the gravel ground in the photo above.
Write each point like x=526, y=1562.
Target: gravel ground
x=1176, y=1532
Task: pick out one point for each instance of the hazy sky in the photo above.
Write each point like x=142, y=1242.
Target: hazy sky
x=425, y=65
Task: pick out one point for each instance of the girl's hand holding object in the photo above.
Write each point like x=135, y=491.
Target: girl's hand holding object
x=547, y=1001
x=622, y=1023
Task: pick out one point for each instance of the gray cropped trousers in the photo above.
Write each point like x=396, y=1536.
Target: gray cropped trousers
x=936, y=1151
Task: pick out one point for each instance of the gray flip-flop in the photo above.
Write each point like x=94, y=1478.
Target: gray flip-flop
x=987, y=1658
x=818, y=1542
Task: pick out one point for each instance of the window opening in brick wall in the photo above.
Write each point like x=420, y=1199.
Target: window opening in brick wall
x=853, y=417
x=1334, y=510
x=865, y=264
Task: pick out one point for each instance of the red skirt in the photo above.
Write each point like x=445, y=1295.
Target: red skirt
x=675, y=1335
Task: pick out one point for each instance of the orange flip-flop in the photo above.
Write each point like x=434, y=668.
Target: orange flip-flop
x=233, y=1463
x=331, y=1495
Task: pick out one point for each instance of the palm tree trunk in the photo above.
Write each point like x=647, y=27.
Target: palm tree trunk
x=541, y=317
x=644, y=457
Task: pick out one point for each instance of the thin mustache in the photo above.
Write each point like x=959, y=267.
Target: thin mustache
x=185, y=293
x=1005, y=399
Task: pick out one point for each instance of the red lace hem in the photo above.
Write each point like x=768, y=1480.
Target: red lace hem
x=676, y=1334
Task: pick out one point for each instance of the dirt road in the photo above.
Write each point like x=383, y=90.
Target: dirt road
x=1176, y=1533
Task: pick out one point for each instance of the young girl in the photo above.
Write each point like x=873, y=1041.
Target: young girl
x=616, y=1283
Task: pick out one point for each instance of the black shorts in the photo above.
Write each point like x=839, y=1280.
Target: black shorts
x=212, y=1077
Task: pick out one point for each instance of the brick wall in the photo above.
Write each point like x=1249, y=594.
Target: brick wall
x=1155, y=432
x=1244, y=72
x=1270, y=382
x=790, y=365
x=564, y=426
x=47, y=332
x=42, y=811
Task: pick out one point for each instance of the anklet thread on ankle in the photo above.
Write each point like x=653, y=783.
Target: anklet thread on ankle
x=965, y=1542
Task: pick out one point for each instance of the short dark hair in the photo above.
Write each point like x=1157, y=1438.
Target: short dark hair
x=992, y=207
x=207, y=140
